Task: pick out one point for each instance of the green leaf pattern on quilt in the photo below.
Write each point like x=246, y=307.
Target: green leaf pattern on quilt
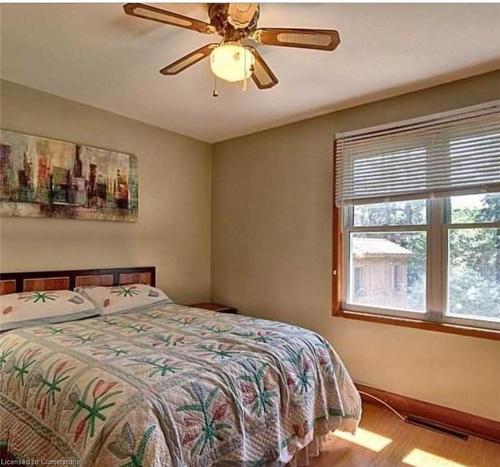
x=38, y=297
x=171, y=386
x=125, y=291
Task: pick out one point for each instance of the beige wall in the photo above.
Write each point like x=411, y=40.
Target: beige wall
x=173, y=230
x=271, y=252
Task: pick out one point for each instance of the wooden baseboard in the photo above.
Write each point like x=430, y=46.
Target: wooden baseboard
x=460, y=421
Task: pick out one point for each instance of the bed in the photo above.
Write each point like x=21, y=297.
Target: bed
x=169, y=385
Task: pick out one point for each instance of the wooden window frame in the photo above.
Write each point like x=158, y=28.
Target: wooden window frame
x=338, y=285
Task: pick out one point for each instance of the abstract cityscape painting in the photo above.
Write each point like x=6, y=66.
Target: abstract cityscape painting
x=42, y=177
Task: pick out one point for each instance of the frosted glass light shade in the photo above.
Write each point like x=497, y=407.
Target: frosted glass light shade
x=232, y=62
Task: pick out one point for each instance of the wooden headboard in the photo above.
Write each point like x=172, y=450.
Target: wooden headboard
x=12, y=282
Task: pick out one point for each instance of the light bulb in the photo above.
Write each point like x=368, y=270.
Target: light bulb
x=232, y=62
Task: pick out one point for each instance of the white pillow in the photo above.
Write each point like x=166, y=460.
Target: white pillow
x=124, y=297
x=52, y=306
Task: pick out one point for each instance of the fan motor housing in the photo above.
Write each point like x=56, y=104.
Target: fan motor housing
x=218, y=19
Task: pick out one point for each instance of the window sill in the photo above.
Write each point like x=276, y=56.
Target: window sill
x=419, y=324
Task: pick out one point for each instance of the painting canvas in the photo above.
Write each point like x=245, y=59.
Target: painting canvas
x=41, y=177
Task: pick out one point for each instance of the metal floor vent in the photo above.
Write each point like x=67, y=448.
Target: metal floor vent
x=436, y=426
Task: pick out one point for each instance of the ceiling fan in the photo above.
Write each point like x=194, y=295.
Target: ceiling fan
x=233, y=58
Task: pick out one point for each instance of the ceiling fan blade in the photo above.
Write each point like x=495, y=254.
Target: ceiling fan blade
x=167, y=17
x=262, y=75
x=188, y=60
x=241, y=14
x=318, y=39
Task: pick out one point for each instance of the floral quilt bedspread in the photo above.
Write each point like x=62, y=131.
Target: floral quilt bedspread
x=167, y=386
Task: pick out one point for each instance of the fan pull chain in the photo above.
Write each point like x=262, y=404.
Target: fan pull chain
x=215, y=93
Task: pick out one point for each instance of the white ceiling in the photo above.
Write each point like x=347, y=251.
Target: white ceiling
x=95, y=54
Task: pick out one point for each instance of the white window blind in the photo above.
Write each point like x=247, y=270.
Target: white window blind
x=436, y=156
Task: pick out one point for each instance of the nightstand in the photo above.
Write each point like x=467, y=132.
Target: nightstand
x=216, y=307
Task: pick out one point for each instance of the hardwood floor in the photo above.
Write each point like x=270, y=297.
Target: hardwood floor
x=384, y=440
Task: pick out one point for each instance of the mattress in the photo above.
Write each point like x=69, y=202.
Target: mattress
x=170, y=386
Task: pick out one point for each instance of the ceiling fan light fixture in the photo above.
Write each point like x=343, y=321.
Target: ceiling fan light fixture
x=233, y=59
x=232, y=62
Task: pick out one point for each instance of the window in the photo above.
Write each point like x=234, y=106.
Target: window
x=389, y=241
x=420, y=220
x=473, y=289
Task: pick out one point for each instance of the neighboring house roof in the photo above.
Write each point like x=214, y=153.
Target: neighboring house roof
x=377, y=247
